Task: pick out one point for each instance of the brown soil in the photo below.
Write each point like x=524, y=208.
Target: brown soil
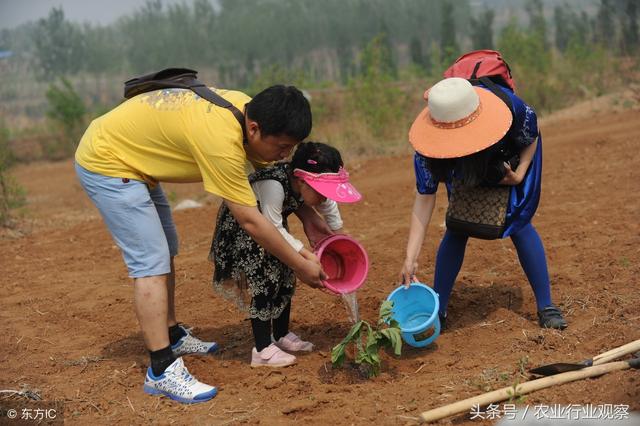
x=69, y=330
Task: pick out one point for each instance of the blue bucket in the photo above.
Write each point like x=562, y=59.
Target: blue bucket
x=416, y=310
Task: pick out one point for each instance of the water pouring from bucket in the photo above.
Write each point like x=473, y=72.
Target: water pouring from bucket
x=346, y=264
x=416, y=310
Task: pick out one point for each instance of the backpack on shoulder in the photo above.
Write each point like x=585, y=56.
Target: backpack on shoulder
x=180, y=78
x=481, y=211
x=482, y=63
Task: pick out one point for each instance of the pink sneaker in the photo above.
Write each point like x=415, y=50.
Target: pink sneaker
x=293, y=343
x=271, y=356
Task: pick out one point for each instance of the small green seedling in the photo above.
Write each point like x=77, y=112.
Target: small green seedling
x=368, y=341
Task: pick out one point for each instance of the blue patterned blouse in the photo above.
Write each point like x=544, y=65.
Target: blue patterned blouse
x=524, y=197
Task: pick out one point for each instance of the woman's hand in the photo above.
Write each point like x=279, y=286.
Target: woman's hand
x=526, y=157
x=408, y=273
x=511, y=178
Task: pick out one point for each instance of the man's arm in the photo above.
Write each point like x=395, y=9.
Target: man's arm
x=265, y=234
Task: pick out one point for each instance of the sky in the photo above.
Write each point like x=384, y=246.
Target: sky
x=16, y=12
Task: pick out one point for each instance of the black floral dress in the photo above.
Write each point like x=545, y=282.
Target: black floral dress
x=245, y=273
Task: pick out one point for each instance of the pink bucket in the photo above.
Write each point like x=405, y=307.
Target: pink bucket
x=345, y=262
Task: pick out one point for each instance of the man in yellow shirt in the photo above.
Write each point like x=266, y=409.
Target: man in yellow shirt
x=173, y=135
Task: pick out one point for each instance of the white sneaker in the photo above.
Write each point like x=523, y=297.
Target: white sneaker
x=189, y=344
x=178, y=384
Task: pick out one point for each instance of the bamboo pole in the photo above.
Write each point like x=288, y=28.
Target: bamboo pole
x=605, y=357
x=524, y=388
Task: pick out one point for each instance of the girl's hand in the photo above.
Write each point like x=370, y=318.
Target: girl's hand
x=408, y=273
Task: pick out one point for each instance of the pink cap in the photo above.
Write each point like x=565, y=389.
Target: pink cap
x=334, y=186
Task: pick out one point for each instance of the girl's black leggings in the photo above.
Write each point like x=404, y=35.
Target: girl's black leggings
x=262, y=329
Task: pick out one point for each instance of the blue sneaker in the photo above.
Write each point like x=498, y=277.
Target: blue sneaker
x=189, y=344
x=178, y=384
x=551, y=317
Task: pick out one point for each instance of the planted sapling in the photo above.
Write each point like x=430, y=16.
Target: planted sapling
x=368, y=341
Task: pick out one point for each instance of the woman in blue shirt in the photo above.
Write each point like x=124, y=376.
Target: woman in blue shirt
x=456, y=138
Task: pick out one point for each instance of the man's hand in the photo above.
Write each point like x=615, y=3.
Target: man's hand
x=309, y=256
x=308, y=273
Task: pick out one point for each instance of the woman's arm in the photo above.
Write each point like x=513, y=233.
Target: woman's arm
x=515, y=177
x=420, y=217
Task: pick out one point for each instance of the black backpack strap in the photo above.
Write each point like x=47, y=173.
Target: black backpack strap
x=168, y=78
x=507, y=150
x=205, y=93
x=496, y=90
x=475, y=70
x=181, y=78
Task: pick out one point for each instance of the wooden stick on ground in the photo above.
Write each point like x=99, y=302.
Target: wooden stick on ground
x=617, y=353
x=523, y=388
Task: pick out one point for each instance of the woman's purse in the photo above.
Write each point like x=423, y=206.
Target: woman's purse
x=481, y=211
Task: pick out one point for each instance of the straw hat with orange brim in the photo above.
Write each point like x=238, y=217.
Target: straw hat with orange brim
x=459, y=120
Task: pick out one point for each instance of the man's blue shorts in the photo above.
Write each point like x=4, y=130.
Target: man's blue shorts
x=139, y=219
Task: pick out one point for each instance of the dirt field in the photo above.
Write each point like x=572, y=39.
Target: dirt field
x=69, y=330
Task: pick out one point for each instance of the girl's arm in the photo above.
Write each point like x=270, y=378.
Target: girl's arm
x=420, y=217
x=270, y=195
x=315, y=228
x=328, y=209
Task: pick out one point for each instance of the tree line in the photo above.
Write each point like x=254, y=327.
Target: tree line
x=242, y=39
x=363, y=61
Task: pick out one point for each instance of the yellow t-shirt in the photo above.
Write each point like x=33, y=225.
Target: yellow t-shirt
x=172, y=135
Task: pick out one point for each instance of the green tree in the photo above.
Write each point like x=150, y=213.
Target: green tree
x=482, y=30
x=58, y=46
x=375, y=99
x=345, y=58
x=605, y=30
x=583, y=27
x=12, y=195
x=530, y=63
x=630, y=27
x=149, y=44
x=377, y=57
x=561, y=17
x=588, y=70
x=448, y=44
x=537, y=22
x=66, y=109
x=418, y=57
